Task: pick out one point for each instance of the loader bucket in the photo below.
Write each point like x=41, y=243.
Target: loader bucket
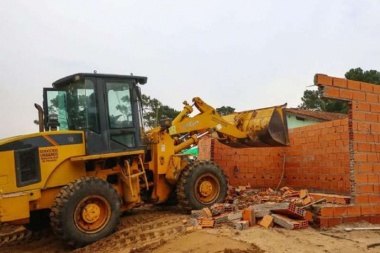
x=265, y=127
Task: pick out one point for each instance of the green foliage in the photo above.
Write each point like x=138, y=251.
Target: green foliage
x=369, y=76
x=312, y=99
x=225, y=110
x=154, y=111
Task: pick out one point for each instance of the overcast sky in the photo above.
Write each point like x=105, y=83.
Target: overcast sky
x=244, y=54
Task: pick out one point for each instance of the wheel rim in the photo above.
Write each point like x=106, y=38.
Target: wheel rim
x=207, y=188
x=92, y=214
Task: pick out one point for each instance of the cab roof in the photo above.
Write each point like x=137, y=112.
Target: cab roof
x=68, y=79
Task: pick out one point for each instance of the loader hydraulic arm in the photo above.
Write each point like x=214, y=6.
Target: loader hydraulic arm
x=255, y=128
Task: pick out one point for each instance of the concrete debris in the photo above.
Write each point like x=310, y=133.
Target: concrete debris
x=289, y=223
x=221, y=219
x=241, y=225
x=246, y=207
x=235, y=215
x=192, y=222
x=290, y=210
x=196, y=213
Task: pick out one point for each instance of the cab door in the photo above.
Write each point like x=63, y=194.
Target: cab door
x=122, y=114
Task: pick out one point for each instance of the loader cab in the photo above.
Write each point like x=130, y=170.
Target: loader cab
x=105, y=107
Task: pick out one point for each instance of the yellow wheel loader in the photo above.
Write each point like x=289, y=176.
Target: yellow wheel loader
x=91, y=159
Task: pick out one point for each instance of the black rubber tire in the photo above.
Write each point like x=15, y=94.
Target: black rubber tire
x=38, y=220
x=188, y=186
x=67, y=214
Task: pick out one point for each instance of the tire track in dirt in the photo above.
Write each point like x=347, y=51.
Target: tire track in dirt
x=137, y=229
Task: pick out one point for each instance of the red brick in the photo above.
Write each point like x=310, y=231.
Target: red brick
x=361, y=199
x=354, y=85
x=322, y=79
x=249, y=215
x=365, y=167
x=372, y=157
x=353, y=211
x=371, y=97
x=374, y=179
x=340, y=211
x=233, y=181
x=340, y=82
x=366, y=87
x=267, y=221
x=345, y=94
x=371, y=137
x=363, y=147
x=365, y=218
x=334, y=222
x=375, y=107
x=371, y=117
x=350, y=219
x=358, y=95
x=365, y=210
x=363, y=106
x=376, y=89
x=364, y=126
x=327, y=212
x=376, y=209
x=309, y=216
x=375, y=219
x=366, y=189
x=331, y=92
x=374, y=199
x=360, y=157
x=375, y=128
x=324, y=222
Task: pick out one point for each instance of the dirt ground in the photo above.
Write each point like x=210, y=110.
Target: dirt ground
x=161, y=230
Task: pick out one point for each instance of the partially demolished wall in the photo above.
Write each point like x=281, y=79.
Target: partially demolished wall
x=340, y=157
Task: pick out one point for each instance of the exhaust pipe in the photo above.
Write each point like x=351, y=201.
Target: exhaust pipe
x=40, y=117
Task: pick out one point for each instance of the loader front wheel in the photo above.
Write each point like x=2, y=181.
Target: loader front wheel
x=85, y=211
x=202, y=184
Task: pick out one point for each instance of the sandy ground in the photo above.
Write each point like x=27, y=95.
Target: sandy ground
x=275, y=240
x=162, y=231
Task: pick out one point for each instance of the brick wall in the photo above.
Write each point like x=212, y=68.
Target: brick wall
x=318, y=157
x=258, y=167
x=364, y=147
x=341, y=156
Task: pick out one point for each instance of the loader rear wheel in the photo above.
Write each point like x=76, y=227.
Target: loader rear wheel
x=85, y=211
x=202, y=184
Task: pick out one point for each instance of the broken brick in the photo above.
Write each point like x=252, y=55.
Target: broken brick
x=307, y=200
x=303, y=193
x=291, y=210
x=267, y=221
x=206, y=213
x=331, y=198
x=206, y=222
x=249, y=215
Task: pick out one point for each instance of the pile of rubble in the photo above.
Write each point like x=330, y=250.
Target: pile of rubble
x=247, y=207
